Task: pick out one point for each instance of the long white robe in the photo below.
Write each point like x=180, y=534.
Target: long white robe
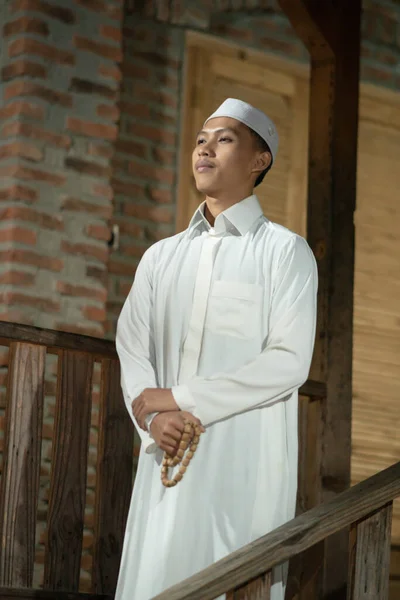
x=225, y=317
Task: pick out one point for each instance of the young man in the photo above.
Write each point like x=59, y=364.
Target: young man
x=218, y=328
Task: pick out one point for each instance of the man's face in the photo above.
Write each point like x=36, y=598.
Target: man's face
x=226, y=159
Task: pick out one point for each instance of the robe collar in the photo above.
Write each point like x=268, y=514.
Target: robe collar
x=236, y=220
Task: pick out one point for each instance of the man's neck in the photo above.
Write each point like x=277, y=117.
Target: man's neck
x=215, y=206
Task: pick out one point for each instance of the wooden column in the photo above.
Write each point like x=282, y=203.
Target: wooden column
x=331, y=32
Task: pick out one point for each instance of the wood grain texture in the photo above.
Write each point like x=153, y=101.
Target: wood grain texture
x=290, y=539
x=372, y=563
x=68, y=476
x=258, y=589
x=114, y=479
x=55, y=340
x=20, y=477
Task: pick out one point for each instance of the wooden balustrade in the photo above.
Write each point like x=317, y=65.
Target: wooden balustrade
x=366, y=507
x=19, y=489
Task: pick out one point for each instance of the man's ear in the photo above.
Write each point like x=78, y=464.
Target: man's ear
x=262, y=162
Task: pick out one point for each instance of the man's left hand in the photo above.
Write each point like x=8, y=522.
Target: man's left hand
x=152, y=400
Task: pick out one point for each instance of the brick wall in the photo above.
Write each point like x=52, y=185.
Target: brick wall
x=58, y=122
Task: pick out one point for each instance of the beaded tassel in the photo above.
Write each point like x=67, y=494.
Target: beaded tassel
x=190, y=439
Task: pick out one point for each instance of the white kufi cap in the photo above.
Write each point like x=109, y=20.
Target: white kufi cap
x=252, y=117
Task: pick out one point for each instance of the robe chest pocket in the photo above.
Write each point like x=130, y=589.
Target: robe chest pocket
x=234, y=309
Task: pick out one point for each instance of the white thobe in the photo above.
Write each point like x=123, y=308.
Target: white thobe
x=225, y=317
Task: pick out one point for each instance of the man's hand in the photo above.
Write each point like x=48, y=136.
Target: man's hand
x=152, y=400
x=167, y=428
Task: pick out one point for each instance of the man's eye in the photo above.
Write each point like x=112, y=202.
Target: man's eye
x=200, y=141
x=225, y=139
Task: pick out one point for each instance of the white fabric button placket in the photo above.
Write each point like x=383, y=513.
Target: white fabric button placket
x=192, y=347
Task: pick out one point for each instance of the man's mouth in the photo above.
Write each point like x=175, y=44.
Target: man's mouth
x=203, y=166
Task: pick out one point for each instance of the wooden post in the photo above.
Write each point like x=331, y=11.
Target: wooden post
x=257, y=589
x=19, y=489
x=332, y=36
x=370, y=565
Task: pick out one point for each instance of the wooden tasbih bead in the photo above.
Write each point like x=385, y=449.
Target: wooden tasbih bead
x=189, y=442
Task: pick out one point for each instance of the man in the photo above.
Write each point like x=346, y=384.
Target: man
x=218, y=328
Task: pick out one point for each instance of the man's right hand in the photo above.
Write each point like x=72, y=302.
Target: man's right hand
x=167, y=429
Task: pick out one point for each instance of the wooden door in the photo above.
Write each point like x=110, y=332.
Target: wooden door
x=215, y=72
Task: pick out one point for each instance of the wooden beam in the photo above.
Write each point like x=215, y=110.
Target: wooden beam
x=333, y=38
x=54, y=340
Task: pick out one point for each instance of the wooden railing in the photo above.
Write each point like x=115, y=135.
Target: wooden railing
x=366, y=508
x=19, y=489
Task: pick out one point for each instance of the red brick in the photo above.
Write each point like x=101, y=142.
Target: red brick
x=103, y=150
x=43, y=304
x=26, y=25
x=104, y=50
x=158, y=59
x=146, y=92
x=24, y=213
x=127, y=228
x=60, y=13
x=134, y=250
x=91, y=129
x=86, y=86
x=29, y=130
x=77, y=205
x=21, y=149
x=100, y=274
x=17, y=278
x=127, y=188
x=82, y=249
x=103, y=190
x=161, y=155
x=139, y=33
x=119, y=267
x=87, y=167
x=155, y=134
x=28, y=257
x=107, y=111
x=20, y=172
x=150, y=213
x=146, y=171
x=93, y=313
x=27, y=88
x=18, y=192
x=110, y=72
x=130, y=147
x=99, y=232
x=14, y=316
x=23, y=67
x=18, y=234
x=21, y=107
x=135, y=71
x=111, y=33
x=26, y=45
x=124, y=287
x=161, y=196
x=68, y=289
x=80, y=329
x=135, y=109
x=102, y=6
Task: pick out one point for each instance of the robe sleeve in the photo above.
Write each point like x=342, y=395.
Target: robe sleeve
x=135, y=344
x=283, y=364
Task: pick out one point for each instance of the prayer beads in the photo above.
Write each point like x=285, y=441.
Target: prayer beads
x=190, y=439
